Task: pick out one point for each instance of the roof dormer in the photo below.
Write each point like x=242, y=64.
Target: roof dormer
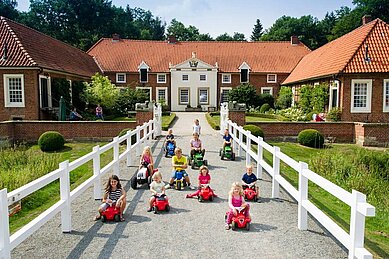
x=143, y=69
x=244, y=69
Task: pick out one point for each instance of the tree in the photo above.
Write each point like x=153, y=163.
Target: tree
x=8, y=9
x=239, y=36
x=182, y=33
x=101, y=91
x=224, y=37
x=375, y=8
x=127, y=100
x=205, y=37
x=284, y=99
x=244, y=93
x=257, y=31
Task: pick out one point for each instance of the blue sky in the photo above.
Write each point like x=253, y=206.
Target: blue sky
x=219, y=16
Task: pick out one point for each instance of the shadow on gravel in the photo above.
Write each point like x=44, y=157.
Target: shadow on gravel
x=213, y=167
x=178, y=210
x=258, y=227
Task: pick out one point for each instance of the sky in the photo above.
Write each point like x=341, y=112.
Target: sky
x=219, y=16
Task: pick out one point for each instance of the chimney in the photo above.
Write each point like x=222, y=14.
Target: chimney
x=294, y=40
x=171, y=39
x=115, y=37
x=366, y=19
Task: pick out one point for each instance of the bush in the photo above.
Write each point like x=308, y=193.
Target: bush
x=265, y=98
x=264, y=108
x=311, y=138
x=244, y=93
x=335, y=114
x=284, y=99
x=123, y=132
x=255, y=130
x=51, y=141
x=309, y=116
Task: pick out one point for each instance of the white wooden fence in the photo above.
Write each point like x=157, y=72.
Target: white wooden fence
x=354, y=240
x=143, y=135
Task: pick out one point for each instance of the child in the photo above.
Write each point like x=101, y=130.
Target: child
x=236, y=199
x=147, y=159
x=157, y=188
x=114, y=196
x=250, y=178
x=170, y=137
x=196, y=146
x=227, y=138
x=179, y=163
x=99, y=112
x=74, y=115
x=204, y=178
x=197, y=127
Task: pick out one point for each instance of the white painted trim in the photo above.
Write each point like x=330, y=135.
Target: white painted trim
x=166, y=94
x=366, y=109
x=333, y=85
x=248, y=76
x=179, y=95
x=269, y=81
x=7, y=103
x=121, y=74
x=182, y=77
x=146, y=88
x=226, y=82
x=49, y=100
x=205, y=77
x=386, y=85
x=161, y=82
x=267, y=88
x=221, y=91
x=198, y=95
x=143, y=65
x=244, y=65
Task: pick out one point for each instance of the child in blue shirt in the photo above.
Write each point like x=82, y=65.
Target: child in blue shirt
x=249, y=180
x=227, y=138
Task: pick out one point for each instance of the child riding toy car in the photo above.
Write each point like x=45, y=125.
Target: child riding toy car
x=227, y=152
x=197, y=160
x=206, y=193
x=111, y=213
x=161, y=203
x=240, y=220
x=179, y=181
x=142, y=176
x=169, y=149
x=250, y=192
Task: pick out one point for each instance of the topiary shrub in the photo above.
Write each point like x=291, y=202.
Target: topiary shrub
x=264, y=108
x=311, y=138
x=335, y=114
x=51, y=141
x=255, y=130
x=123, y=132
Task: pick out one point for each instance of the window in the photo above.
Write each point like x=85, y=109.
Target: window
x=272, y=78
x=161, y=78
x=45, y=91
x=120, y=77
x=185, y=77
x=361, y=96
x=224, y=94
x=14, y=90
x=334, y=96
x=147, y=90
x=226, y=78
x=244, y=75
x=386, y=95
x=162, y=94
x=203, y=77
x=203, y=96
x=143, y=75
x=184, y=95
x=267, y=90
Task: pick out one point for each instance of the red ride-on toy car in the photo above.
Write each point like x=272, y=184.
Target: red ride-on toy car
x=111, y=213
x=206, y=193
x=240, y=220
x=161, y=203
x=250, y=193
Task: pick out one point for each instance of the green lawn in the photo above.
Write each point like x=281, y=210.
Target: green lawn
x=123, y=118
x=258, y=119
x=168, y=120
x=377, y=228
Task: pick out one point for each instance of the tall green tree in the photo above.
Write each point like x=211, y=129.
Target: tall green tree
x=8, y=9
x=239, y=36
x=183, y=33
x=257, y=31
x=101, y=91
x=224, y=37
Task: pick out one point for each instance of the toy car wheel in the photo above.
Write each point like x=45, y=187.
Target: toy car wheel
x=205, y=162
x=149, y=180
x=211, y=198
x=233, y=157
x=220, y=152
x=193, y=166
x=103, y=219
x=201, y=199
x=222, y=157
x=248, y=226
x=189, y=161
x=178, y=186
x=166, y=154
x=117, y=217
x=155, y=210
x=134, y=183
x=167, y=208
x=255, y=198
x=233, y=225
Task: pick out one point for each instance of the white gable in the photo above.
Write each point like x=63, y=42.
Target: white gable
x=143, y=65
x=244, y=65
x=192, y=63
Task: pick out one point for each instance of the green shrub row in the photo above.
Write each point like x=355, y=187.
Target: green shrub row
x=168, y=120
x=255, y=130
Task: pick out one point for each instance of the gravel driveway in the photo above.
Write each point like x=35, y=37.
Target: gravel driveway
x=191, y=229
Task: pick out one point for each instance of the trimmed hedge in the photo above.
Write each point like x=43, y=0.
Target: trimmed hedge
x=168, y=120
x=51, y=141
x=211, y=122
x=123, y=132
x=255, y=130
x=264, y=108
x=311, y=138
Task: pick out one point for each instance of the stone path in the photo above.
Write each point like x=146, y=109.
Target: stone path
x=191, y=229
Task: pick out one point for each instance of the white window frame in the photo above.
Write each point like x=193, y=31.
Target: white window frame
x=386, y=86
x=366, y=109
x=182, y=77
x=49, y=101
x=179, y=95
x=161, y=82
x=7, y=102
x=202, y=89
x=267, y=88
x=244, y=65
x=333, y=85
x=121, y=74
x=271, y=81
x=229, y=77
x=146, y=88
x=166, y=93
x=204, y=76
x=221, y=91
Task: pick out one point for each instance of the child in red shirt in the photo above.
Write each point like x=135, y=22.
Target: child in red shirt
x=204, y=178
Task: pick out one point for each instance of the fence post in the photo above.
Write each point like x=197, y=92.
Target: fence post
x=259, y=157
x=5, y=246
x=357, y=224
x=137, y=141
x=66, y=212
x=233, y=129
x=248, y=147
x=96, y=172
x=116, y=168
x=240, y=140
x=128, y=148
x=276, y=171
x=303, y=195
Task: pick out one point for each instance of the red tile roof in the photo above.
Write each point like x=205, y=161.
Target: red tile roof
x=126, y=55
x=30, y=48
x=347, y=54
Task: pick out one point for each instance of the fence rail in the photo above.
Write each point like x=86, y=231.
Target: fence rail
x=354, y=240
x=143, y=135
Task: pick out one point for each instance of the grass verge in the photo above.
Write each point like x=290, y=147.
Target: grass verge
x=213, y=121
x=167, y=120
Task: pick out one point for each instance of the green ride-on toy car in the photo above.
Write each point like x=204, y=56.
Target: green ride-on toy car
x=197, y=161
x=227, y=153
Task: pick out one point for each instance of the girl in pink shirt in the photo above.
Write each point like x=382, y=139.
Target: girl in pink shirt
x=236, y=199
x=204, y=178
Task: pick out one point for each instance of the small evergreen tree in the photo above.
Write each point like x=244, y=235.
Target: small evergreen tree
x=284, y=99
x=257, y=31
